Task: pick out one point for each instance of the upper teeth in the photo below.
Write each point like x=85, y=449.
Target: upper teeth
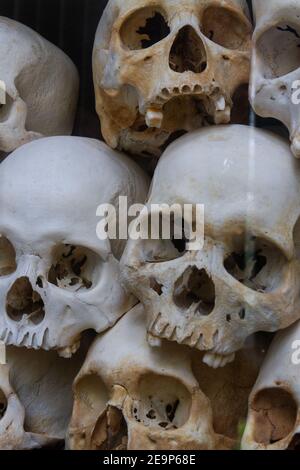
x=154, y=118
x=217, y=360
x=220, y=104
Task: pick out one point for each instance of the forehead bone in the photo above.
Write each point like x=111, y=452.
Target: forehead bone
x=57, y=176
x=239, y=173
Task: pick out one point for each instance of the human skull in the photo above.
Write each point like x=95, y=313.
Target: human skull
x=274, y=405
x=35, y=398
x=41, y=87
x=244, y=279
x=276, y=64
x=57, y=278
x=131, y=396
x=167, y=66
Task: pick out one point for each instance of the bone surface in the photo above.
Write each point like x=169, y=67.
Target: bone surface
x=274, y=420
x=57, y=278
x=131, y=396
x=35, y=399
x=244, y=279
x=41, y=87
x=275, y=71
x=167, y=68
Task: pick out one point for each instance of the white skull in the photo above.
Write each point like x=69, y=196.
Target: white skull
x=57, y=278
x=245, y=278
x=41, y=86
x=131, y=396
x=274, y=405
x=276, y=64
x=164, y=67
x=35, y=398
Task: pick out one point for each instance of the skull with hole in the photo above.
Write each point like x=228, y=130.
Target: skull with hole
x=274, y=90
x=244, y=279
x=57, y=278
x=40, y=84
x=274, y=405
x=162, y=68
x=35, y=398
x=131, y=396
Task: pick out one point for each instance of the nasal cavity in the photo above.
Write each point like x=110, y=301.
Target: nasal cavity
x=188, y=52
x=23, y=301
x=196, y=288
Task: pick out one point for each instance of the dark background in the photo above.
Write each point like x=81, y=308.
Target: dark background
x=71, y=25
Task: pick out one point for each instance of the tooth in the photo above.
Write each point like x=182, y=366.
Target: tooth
x=170, y=333
x=154, y=118
x=68, y=352
x=221, y=104
x=155, y=321
x=153, y=341
x=217, y=360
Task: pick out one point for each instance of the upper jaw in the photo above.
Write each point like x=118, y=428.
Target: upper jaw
x=187, y=107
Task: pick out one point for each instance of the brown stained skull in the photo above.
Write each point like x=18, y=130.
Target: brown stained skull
x=131, y=396
x=274, y=405
x=134, y=397
x=163, y=68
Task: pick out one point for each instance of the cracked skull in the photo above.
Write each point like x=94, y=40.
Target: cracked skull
x=131, y=396
x=244, y=279
x=274, y=406
x=276, y=64
x=41, y=87
x=166, y=67
x=57, y=278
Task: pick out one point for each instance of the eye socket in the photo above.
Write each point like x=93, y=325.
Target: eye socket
x=278, y=50
x=144, y=28
x=171, y=243
x=91, y=397
x=225, y=28
x=74, y=268
x=7, y=257
x=256, y=263
x=163, y=402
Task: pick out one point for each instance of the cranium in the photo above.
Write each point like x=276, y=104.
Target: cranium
x=276, y=64
x=245, y=278
x=131, y=396
x=57, y=278
x=41, y=85
x=274, y=405
x=166, y=66
x=35, y=398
